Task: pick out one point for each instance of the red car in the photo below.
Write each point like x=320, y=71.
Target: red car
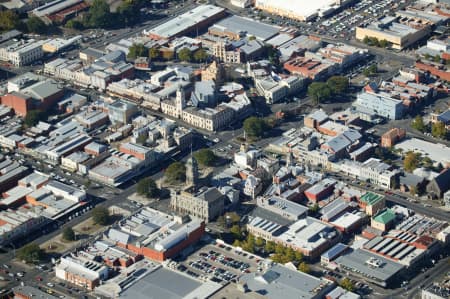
x=38, y=278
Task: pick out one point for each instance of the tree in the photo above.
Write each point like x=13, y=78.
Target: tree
x=304, y=267
x=274, y=55
x=137, y=50
x=251, y=37
x=99, y=15
x=314, y=208
x=68, y=234
x=8, y=20
x=236, y=231
x=319, y=91
x=438, y=130
x=74, y=24
x=128, y=12
x=185, y=55
x=205, y=157
x=31, y=253
x=418, y=123
x=255, y=127
x=383, y=43
x=153, y=53
x=175, y=173
x=269, y=247
x=338, y=84
x=437, y=58
x=411, y=161
x=298, y=256
x=279, y=249
x=347, y=284
x=33, y=117
x=200, y=55
x=101, y=215
x=259, y=242
x=147, y=187
x=234, y=217
x=366, y=40
x=36, y=25
x=413, y=190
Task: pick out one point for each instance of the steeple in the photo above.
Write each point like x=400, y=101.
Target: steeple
x=180, y=100
x=192, y=172
x=290, y=158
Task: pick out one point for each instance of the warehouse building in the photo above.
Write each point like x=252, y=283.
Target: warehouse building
x=193, y=20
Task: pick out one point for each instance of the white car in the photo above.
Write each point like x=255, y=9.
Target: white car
x=50, y=284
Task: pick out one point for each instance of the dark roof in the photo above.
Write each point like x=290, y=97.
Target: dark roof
x=443, y=180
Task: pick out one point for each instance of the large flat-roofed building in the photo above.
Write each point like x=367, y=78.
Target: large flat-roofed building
x=380, y=103
x=236, y=27
x=398, y=34
x=437, y=152
x=285, y=208
x=81, y=271
x=281, y=282
x=59, y=10
x=309, y=236
x=194, y=20
x=372, y=267
x=156, y=235
x=22, y=52
x=302, y=10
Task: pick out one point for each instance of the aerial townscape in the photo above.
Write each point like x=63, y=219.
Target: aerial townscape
x=225, y=149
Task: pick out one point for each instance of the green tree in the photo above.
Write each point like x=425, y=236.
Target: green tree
x=185, y=55
x=298, y=256
x=338, y=84
x=418, y=123
x=236, y=231
x=205, y=157
x=74, y=24
x=314, y=208
x=279, y=249
x=319, y=91
x=200, y=55
x=99, y=15
x=438, y=130
x=437, y=58
x=101, y=215
x=411, y=161
x=137, y=50
x=237, y=243
x=234, y=217
x=347, y=284
x=175, y=173
x=147, y=187
x=153, y=53
x=8, y=20
x=269, y=247
x=383, y=43
x=128, y=12
x=33, y=117
x=366, y=40
x=68, y=234
x=274, y=55
x=31, y=253
x=304, y=267
x=36, y=25
x=259, y=242
x=255, y=127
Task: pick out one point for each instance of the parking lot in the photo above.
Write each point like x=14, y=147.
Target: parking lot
x=220, y=263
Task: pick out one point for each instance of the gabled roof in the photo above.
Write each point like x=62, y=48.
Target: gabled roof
x=443, y=180
x=385, y=216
